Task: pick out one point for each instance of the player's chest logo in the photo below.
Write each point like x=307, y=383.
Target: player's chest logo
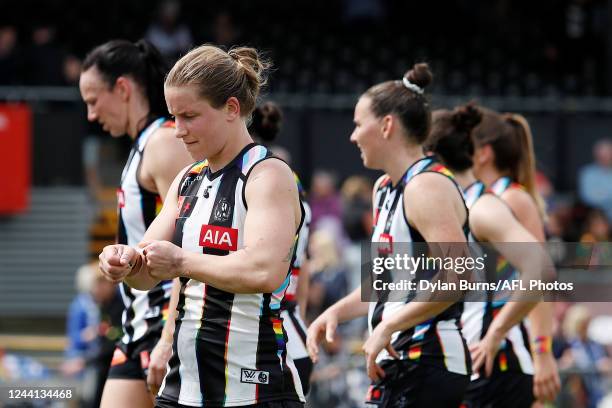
x=212, y=236
x=222, y=211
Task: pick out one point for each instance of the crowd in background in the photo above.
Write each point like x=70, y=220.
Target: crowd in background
x=548, y=48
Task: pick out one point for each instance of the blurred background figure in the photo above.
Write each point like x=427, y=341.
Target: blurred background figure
x=357, y=221
x=224, y=30
x=82, y=323
x=595, y=179
x=588, y=359
x=168, y=34
x=93, y=325
x=325, y=201
x=45, y=57
x=10, y=60
x=328, y=273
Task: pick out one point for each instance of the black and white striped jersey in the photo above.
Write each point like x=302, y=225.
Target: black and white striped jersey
x=292, y=321
x=514, y=354
x=437, y=341
x=229, y=349
x=145, y=311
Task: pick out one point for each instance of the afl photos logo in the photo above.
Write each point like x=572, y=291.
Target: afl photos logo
x=223, y=238
x=222, y=211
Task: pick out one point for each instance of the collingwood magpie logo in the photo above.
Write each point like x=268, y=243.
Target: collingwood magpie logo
x=254, y=376
x=222, y=210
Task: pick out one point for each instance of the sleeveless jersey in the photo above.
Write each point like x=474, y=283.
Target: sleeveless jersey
x=437, y=341
x=229, y=349
x=514, y=354
x=292, y=321
x=145, y=311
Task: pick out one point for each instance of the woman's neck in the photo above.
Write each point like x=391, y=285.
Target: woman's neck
x=137, y=119
x=235, y=143
x=489, y=175
x=464, y=178
x=397, y=164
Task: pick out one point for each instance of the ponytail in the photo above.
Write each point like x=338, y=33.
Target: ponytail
x=141, y=61
x=525, y=169
x=156, y=69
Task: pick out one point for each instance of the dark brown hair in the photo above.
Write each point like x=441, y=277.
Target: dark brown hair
x=509, y=135
x=266, y=122
x=219, y=75
x=412, y=108
x=451, y=136
x=140, y=60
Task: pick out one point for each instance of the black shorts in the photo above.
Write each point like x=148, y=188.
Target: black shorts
x=161, y=402
x=408, y=385
x=129, y=367
x=500, y=390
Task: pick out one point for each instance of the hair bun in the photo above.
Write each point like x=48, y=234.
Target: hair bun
x=266, y=121
x=420, y=75
x=467, y=117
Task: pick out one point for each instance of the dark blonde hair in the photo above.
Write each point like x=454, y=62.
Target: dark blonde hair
x=219, y=75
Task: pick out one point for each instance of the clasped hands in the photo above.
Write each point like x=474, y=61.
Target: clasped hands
x=162, y=259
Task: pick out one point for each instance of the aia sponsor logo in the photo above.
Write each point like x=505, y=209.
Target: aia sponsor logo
x=385, y=244
x=254, y=376
x=212, y=236
x=120, y=198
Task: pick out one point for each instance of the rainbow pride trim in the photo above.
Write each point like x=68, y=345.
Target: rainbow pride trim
x=542, y=345
x=414, y=353
x=444, y=170
x=277, y=326
x=503, y=361
x=158, y=204
x=197, y=168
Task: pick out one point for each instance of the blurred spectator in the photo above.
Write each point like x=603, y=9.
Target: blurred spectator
x=45, y=58
x=328, y=275
x=108, y=298
x=356, y=193
x=329, y=378
x=93, y=326
x=357, y=222
x=595, y=250
x=324, y=198
x=9, y=56
x=72, y=70
x=585, y=355
x=597, y=227
x=81, y=323
x=19, y=369
x=225, y=32
x=595, y=179
x=171, y=37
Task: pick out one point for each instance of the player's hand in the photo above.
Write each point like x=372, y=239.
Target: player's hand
x=546, y=382
x=324, y=324
x=484, y=352
x=379, y=339
x=157, y=365
x=117, y=261
x=164, y=260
